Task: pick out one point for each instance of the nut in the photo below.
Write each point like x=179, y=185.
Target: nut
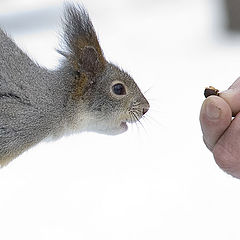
x=211, y=91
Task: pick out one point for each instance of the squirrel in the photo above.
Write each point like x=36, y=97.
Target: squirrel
x=85, y=93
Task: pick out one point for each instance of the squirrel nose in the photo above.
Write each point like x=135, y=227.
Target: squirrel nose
x=145, y=110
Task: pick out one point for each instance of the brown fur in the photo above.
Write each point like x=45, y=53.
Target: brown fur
x=80, y=86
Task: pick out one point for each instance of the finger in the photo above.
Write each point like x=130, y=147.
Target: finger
x=215, y=117
x=232, y=96
x=227, y=150
x=236, y=84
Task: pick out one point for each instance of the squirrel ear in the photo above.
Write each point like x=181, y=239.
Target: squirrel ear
x=82, y=48
x=89, y=60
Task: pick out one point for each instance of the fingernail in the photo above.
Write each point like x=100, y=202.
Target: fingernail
x=213, y=112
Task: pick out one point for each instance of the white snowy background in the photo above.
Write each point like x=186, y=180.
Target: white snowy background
x=151, y=183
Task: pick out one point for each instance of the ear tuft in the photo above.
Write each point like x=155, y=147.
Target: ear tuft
x=81, y=46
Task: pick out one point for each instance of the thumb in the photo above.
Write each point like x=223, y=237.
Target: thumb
x=232, y=97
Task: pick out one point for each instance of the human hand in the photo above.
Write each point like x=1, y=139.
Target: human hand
x=221, y=134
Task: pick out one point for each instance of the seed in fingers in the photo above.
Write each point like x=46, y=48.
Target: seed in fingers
x=209, y=91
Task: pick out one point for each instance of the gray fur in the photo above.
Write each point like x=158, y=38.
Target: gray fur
x=36, y=103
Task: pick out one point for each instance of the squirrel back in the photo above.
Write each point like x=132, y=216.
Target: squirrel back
x=85, y=93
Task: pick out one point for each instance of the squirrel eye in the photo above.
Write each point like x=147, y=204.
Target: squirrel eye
x=119, y=89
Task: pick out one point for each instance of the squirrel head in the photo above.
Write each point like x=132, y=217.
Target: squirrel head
x=106, y=98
